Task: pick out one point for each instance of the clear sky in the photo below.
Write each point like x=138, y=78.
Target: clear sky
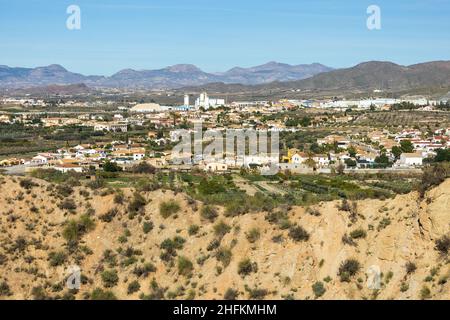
x=218, y=35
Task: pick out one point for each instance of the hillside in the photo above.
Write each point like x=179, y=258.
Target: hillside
x=35, y=233
x=166, y=78
x=365, y=76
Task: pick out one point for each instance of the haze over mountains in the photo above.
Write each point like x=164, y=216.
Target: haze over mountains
x=167, y=78
x=271, y=76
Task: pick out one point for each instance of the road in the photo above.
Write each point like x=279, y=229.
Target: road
x=15, y=170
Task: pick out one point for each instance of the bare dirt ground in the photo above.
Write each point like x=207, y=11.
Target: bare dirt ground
x=398, y=231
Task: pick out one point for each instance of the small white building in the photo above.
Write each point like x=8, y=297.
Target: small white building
x=207, y=102
x=216, y=167
x=138, y=156
x=39, y=160
x=411, y=159
x=114, y=127
x=299, y=158
x=66, y=167
x=321, y=159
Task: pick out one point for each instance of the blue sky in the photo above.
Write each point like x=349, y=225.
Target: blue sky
x=218, y=35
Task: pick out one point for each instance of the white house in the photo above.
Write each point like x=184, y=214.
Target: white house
x=321, y=160
x=216, y=167
x=138, y=156
x=66, y=167
x=39, y=160
x=411, y=159
x=299, y=158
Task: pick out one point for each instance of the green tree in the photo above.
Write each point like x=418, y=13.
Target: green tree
x=109, y=166
x=406, y=146
x=442, y=155
x=351, y=152
x=382, y=160
x=397, y=151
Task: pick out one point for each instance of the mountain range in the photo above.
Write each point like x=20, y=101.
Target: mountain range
x=272, y=76
x=167, y=78
x=362, y=77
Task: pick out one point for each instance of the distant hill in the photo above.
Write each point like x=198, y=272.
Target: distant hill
x=41, y=76
x=271, y=76
x=273, y=71
x=54, y=89
x=362, y=77
x=380, y=75
x=167, y=78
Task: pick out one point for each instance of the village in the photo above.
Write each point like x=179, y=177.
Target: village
x=340, y=146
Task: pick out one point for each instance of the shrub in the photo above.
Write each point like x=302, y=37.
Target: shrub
x=98, y=183
x=143, y=271
x=109, y=216
x=221, y=229
x=235, y=208
x=143, y=167
x=245, y=267
x=133, y=287
x=257, y=293
x=109, y=166
x=166, y=209
x=193, y=229
x=185, y=266
x=344, y=206
x=352, y=208
x=64, y=190
x=85, y=224
x=433, y=176
x=57, y=258
x=425, y=293
x=410, y=267
x=297, y=233
x=110, y=278
x=75, y=229
x=118, y=198
x=318, y=289
x=443, y=245
x=348, y=269
x=383, y=224
x=4, y=289
x=253, y=235
x=100, y=294
x=67, y=204
x=39, y=293
x=137, y=204
x=172, y=245
x=27, y=184
x=147, y=227
x=20, y=244
x=224, y=255
x=214, y=244
x=209, y=213
x=313, y=212
x=280, y=218
x=2, y=259
x=146, y=185
x=404, y=287
x=346, y=239
x=231, y=294
x=358, y=234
